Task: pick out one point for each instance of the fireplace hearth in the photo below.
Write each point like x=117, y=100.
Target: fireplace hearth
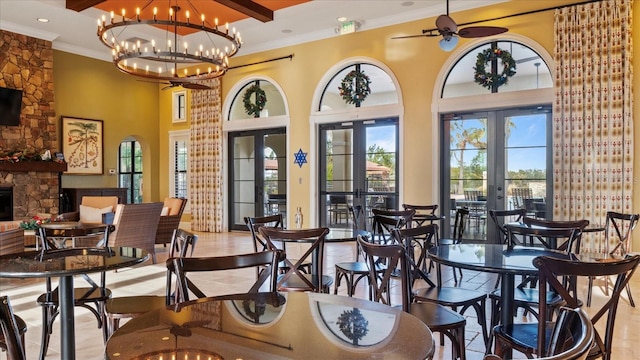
x=6, y=203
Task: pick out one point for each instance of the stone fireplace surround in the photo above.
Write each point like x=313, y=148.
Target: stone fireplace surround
x=27, y=64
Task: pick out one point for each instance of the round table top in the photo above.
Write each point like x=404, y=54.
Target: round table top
x=292, y=325
x=494, y=258
x=71, y=261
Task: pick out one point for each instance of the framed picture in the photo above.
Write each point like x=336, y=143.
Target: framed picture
x=82, y=146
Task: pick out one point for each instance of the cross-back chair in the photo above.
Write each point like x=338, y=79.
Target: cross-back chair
x=354, y=271
x=385, y=221
x=437, y=317
x=275, y=221
x=501, y=217
x=458, y=299
x=571, y=338
x=182, y=244
x=457, y=234
x=92, y=297
x=294, y=279
x=525, y=337
x=182, y=266
x=12, y=340
x=618, y=230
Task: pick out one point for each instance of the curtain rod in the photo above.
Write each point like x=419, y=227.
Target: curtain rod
x=290, y=56
x=522, y=13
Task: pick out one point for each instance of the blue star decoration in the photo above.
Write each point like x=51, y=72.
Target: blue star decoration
x=301, y=158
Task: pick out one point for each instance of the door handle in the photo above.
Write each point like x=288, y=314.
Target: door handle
x=500, y=197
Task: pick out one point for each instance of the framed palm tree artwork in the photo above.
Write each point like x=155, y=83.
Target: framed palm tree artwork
x=82, y=146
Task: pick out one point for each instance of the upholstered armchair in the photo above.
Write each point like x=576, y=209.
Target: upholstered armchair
x=93, y=209
x=170, y=219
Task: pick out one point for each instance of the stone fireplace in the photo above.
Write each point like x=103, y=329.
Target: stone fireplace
x=27, y=64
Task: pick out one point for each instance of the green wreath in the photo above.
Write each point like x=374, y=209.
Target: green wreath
x=489, y=80
x=261, y=100
x=361, y=82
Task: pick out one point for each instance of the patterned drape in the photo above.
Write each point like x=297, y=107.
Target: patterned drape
x=206, y=159
x=592, y=114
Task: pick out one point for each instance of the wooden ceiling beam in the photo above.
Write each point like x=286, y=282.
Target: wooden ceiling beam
x=79, y=5
x=246, y=7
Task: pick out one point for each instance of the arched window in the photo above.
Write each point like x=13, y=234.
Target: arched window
x=130, y=169
x=383, y=90
x=245, y=104
x=531, y=71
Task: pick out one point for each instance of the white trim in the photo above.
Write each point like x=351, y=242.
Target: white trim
x=175, y=113
x=317, y=118
x=175, y=135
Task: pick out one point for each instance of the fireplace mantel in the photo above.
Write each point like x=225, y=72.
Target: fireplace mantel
x=37, y=166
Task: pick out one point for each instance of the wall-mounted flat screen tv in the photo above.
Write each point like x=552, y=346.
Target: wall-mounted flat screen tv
x=10, y=106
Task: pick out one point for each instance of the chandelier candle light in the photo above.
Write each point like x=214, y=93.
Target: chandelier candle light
x=176, y=53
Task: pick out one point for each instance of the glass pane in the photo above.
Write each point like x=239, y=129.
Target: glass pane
x=339, y=160
x=274, y=105
x=531, y=72
x=383, y=90
x=468, y=156
x=381, y=166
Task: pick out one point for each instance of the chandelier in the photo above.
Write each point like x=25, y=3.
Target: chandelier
x=170, y=58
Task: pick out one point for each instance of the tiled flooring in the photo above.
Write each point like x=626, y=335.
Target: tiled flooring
x=149, y=279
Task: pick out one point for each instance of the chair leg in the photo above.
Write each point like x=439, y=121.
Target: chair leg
x=631, y=302
x=48, y=315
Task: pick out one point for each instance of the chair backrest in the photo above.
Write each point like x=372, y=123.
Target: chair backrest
x=357, y=217
x=564, y=239
x=170, y=217
x=385, y=221
x=472, y=194
x=315, y=239
x=571, y=338
x=459, y=224
x=100, y=201
x=502, y=217
x=253, y=223
x=174, y=206
x=393, y=256
x=553, y=271
x=424, y=236
x=622, y=226
x=136, y=226
x=181, y=266
x=556, y=224
x=10, y=330
x=181, y=242
x=422, y=209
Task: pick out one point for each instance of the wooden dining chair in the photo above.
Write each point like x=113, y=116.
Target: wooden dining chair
x=437, y=317
x=456, y=298
x=275, y=221
x=12, y=339
x=530, y=338
x=571, y=338
x=618, y=230
x=457, y=235
x=385, y=221
x=92, y=297
x=128, y=307
x=294, y=279
x=352, y=272
x=186, y=285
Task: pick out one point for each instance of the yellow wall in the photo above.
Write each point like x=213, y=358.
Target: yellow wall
x=94, y=89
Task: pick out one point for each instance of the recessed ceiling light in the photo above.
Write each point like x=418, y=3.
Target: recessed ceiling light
x=43, y=20
x=407, y=3
x=342, y=19
x=287, y=31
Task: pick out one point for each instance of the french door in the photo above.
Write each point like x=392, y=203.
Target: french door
x=488, y=158
x=258, y=171
x=358, y=166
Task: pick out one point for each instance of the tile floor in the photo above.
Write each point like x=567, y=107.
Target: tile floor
x=149, y=279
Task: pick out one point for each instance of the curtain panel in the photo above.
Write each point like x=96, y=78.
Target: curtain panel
x=592, y=114
x=205, y=158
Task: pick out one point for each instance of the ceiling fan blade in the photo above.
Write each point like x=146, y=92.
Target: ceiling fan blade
x=414, y=36
x=194, y=86
x=481, y=31
x=446, y=23
x=168, y=87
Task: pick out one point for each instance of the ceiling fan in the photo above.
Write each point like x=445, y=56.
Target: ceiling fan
x=186, y=85
x=448, y=29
